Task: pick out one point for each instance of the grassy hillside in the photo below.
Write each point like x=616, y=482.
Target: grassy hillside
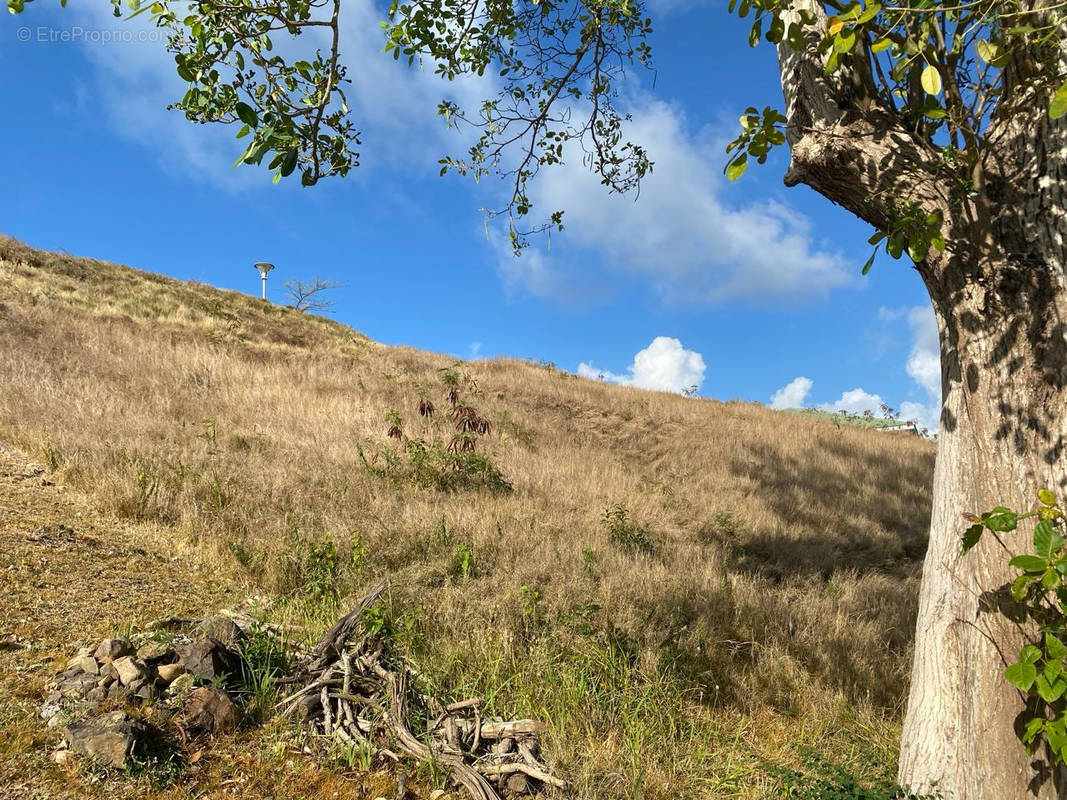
x=691, y=592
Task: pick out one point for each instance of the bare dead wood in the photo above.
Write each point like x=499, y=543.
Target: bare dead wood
x=353, y=693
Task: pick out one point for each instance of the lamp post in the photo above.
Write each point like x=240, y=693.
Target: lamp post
x=264, y=268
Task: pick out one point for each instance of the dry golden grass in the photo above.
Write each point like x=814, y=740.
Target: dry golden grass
x=774, y=611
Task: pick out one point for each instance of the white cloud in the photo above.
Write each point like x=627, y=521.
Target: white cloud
x=923, y=366
x=793, y=394
x=664, y=365
x=924, y=362
x=684, y=233
x=855, y=401
x=393, y=107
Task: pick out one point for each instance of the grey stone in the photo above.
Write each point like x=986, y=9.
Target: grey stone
x=50, y=710
x=116, y=691
x=108, y=739
x=208, y=660
x=97, y=695
x=155, y=651
x=112, y=650
x=76, y=686
x=129, y=670
x=223, y=630
x=209, y=712
x=85, y=664
x=146, y=692
x=58, y=720
x=108, y=671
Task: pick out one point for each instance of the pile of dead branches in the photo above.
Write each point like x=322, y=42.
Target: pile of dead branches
x=355, y=693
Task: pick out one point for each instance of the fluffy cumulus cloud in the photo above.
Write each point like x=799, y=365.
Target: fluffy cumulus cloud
x=855, y=401
x=685, y=234
x=793, y=394
x=664, y=365
x=923, y=366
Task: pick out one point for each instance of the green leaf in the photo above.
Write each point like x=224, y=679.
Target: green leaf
x=867, y=268
x=1054, y=646
x=247, y=115
x=1019, y=587
x=289, y=164
x=1051, y=579
x=736, y=168
x=931, y=80
x=1058, y=107
x=1051, y=691
x=880, y=45
x=1046, y=497
x=988, y=51
x=1029, y=563
x=1029, y=654
x=972, y=534
x=869, y=13
x=1047, y=540
x=1032, y=729
x=1021, y=675
x=1001, y=519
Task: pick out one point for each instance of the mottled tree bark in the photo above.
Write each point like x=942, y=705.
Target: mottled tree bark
x=1000, y=295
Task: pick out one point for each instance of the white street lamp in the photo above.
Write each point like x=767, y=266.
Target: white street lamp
x=264, y=268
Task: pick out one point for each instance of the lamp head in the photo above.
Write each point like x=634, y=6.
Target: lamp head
x=263, y=268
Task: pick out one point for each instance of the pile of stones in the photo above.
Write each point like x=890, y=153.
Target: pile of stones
x=178, y=672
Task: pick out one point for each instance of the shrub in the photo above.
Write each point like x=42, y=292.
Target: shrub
x=627, y=534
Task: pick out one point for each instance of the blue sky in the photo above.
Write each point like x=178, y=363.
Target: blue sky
x=746, y=289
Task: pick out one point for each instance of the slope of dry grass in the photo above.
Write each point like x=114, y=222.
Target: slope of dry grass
x=771, y=609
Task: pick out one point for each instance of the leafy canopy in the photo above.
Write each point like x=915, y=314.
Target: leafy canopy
x=956, y=76
x=947, y=71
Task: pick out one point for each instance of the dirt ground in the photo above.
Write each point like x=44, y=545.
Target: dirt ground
x=70, y=576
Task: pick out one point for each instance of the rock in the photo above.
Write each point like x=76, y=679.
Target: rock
x=168, y=672
x=108, y=671
x=183, y=683
x=111, y=650
x=59, y=720
x=223, y=630
x=75, y=687
x=155, y=651
x=96, y=695
x=63, y=757
x=107, y=739
x=116, y=691
x=146, y=692
x=517, y=783
x=129, y=670
x=105, y=681
x=208, y=660
x=50, y=709
x=209, y=712
x=86, y=664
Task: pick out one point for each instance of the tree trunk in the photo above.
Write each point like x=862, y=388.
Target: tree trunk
x=1003, y=428
x=1000, y=297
